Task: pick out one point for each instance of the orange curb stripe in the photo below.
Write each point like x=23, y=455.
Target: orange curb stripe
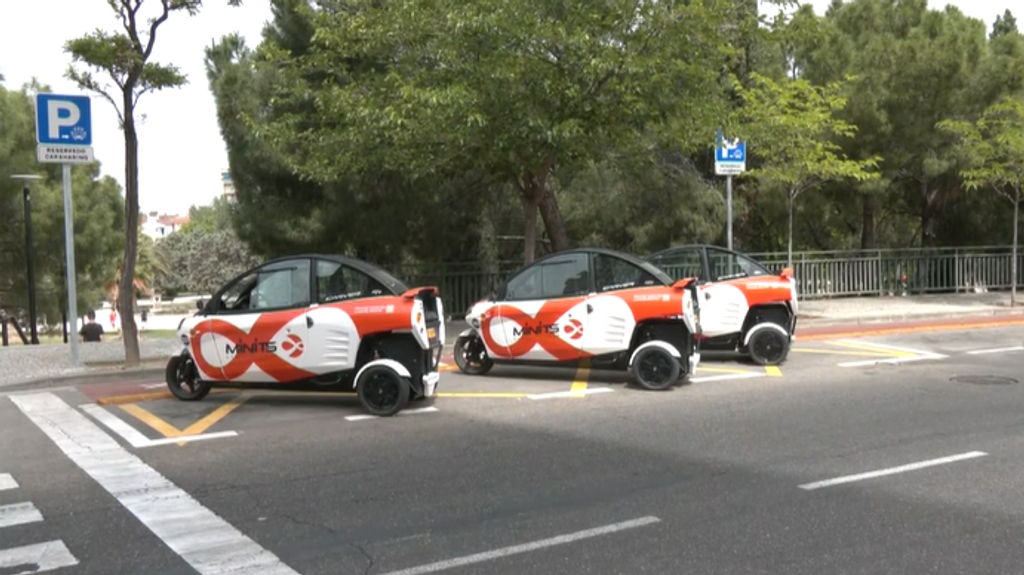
x=908, y=329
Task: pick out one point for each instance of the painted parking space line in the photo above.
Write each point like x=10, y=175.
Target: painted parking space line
x=365, y=417
x=526, y=547
x=137, y=439
x=996, y=350
x=581, y=380
x=728, y=373
x=893, y=470
x=570, y=393
x=882, y=353
x=203, y=539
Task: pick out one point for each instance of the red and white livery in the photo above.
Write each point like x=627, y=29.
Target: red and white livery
x=314, y=322
x=609, y=308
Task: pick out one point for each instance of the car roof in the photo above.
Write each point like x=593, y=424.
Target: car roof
x=377, y=272
x=631, y=258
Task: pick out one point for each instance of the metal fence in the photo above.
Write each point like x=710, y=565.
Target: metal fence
x=819, y=275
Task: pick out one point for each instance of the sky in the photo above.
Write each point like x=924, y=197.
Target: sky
x=181, y=152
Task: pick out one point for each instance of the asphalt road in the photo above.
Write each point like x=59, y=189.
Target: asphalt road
x=745, y=470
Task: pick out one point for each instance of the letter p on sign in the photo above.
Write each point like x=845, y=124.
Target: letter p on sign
x=61, y=114
x=63, y=120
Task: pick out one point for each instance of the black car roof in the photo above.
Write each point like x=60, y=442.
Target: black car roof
x=631, y=258
x=377, y=272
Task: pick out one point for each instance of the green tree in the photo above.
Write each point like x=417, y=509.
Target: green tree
x=98, y=216
x=125, y=57
x=791, y=127
x=993, y=148
x=509, y=89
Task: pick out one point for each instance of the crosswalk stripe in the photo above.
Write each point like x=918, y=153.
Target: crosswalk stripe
x=7, y=482
x=19, y=514
x=204, y=540
x=38, y=558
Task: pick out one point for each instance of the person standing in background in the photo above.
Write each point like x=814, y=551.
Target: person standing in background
x=91, y=331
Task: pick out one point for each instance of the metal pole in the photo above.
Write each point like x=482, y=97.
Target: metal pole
x=69, y=252
x=728, y=210
x=30, y=263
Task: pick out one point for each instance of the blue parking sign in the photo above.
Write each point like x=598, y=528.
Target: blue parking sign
x=63, y=120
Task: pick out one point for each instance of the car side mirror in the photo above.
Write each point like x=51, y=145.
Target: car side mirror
x=200, y=304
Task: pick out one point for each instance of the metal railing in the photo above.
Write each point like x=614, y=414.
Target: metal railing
x=821, y=274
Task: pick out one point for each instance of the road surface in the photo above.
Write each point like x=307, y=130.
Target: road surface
x=886, y=454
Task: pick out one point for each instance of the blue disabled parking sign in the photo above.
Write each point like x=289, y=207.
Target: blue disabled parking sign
x=64, y=129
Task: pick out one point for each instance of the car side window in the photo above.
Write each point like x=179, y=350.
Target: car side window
x=338, y=282
x=679, y=264
x=727, y=265
x=279, y=285
x=560, y=276
x=612, y=273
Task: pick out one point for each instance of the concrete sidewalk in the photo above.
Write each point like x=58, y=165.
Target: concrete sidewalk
x=50, y=364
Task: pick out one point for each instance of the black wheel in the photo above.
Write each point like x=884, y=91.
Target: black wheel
x=655, y=369
x=471, y=356
x=768, y=347
x=183, y=379
x=382, y=391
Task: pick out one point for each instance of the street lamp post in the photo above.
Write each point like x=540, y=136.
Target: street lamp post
x=29, y=253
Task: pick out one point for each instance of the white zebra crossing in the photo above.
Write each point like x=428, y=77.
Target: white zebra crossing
x=35, y=558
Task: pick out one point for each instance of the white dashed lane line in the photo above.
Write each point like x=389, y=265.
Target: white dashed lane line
x=893, y=470
x=997, y=350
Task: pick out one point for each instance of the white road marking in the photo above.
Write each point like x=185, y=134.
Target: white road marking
x=919, y=354
x=997, y=350
x=892, y=347
x=38, y=558
x=893, y=470
x=19, y=514
x=403, y=412
x=556, y=394
x=135, y=437
x=726, y=376
x=153, y=385
x=7, y=482
x=208, y=543
x=533, y=546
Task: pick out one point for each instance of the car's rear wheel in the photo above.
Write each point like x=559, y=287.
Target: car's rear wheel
x=382, y=391
x=471, y=355
x=183, y=379
x=768, y=346
x=655, y=369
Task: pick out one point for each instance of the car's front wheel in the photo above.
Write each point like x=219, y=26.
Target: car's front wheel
x=382, y=391
x=183, y=379
x=655, y=369
x=471, y=355
x=768, y=346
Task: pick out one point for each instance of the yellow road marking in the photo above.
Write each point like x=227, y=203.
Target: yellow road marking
x=873, y=348
x=146, y=396
x=196, y=428
x=773, y=370
x=580, y=382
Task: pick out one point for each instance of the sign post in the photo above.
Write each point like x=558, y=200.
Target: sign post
x=730, y=160
x=64, y=136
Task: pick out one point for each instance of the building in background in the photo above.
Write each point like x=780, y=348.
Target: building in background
x=228, y=191
x=157, y=226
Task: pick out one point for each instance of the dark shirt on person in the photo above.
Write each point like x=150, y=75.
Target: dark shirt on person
x=92, y=332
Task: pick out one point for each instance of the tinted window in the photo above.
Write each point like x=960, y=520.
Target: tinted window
x=280, y=285
x=726, y=265
x=559, y=276
x=679, y=264
x=614, y=273
x=337, y=282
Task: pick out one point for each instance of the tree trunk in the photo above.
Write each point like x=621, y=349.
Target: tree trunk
x=867, y=231
x=126, y=289
x=529, y=227
x=789, y=249
x=553, y=221
x=1013, y=264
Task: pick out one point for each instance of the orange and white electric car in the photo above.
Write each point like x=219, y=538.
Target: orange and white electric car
x=744, y=307
x=610, y=308
x=314, y=323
